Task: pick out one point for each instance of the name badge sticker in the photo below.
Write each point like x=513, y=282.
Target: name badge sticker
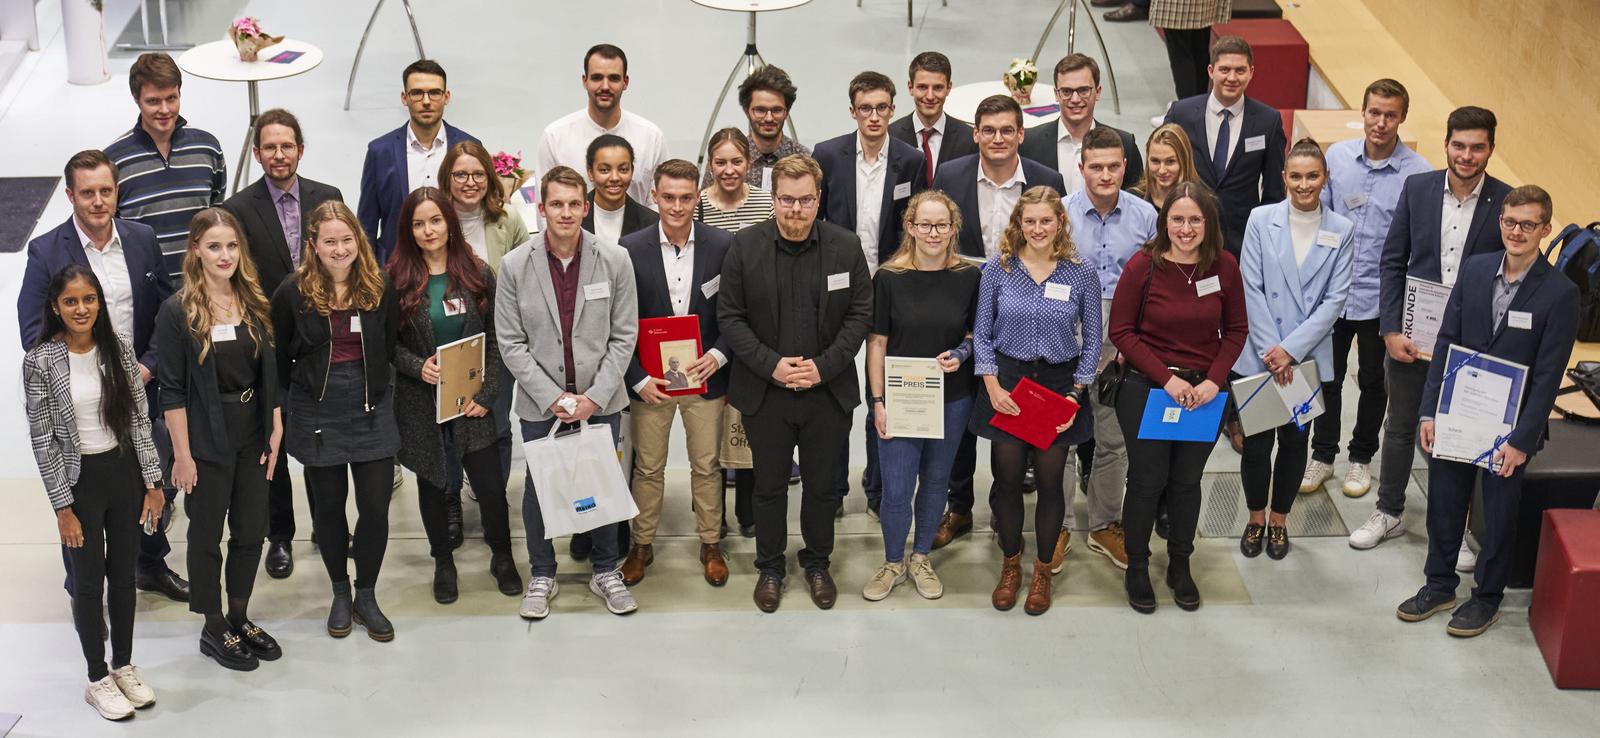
x=597, y=291
x=838, y=281
x=1328, y=238
x=1520, y=319
x=902, y=190
x=1355, y=200
x=355, y=324
x=1053, y=291
x=455, y=307
x=223, y=332
x=710, y=286
x=1171, y=414
x=1208, y=285
x=1255, y=143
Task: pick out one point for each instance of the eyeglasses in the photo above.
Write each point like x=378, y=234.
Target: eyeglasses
x=1512, y=224
x=992, y=132
x=1066, y=94
x=926, y=228
x=1195, y=221
x=790, y=202
x=768, y=112
x=882, y=109
x=273, y=149
x=465, y=177
x=432, y=95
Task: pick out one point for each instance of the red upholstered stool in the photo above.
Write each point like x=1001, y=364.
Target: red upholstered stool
x=1288, y=127
x=1565, y=614
x=1282, y=60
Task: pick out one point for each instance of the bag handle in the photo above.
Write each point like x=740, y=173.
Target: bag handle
x=556, y=426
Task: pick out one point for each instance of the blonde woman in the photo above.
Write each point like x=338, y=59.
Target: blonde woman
x=1169, y=161
x=1036, y=298
x=337, y=322
x=219, y=393
x=925, y=298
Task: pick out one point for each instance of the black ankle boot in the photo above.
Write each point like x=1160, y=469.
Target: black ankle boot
x=504, y=571
x=366, y=613
x=452, y=519
x=1141, y=594
x=1184, y=591
x=339, y=613
x=444, y=579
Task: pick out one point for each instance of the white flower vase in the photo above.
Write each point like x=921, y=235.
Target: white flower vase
x=85, y=32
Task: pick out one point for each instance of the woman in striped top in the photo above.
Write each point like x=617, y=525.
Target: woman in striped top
x=729, y=203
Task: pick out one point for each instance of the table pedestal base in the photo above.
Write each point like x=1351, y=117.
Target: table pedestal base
x=1072, y=37
x=415, y=36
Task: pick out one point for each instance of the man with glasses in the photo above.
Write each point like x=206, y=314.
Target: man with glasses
x=867, y=179
x=1515, y=307
x=925, y=129
x=1056, y=144
x=408, y=157
x=767, y=98
x=794, y=306
x=566, y=141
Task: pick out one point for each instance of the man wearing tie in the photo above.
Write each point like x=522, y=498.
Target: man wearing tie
x=939, y=137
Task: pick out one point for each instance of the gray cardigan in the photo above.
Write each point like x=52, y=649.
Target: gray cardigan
x=605, y=325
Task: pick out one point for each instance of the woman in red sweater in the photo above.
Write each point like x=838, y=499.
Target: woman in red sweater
x=1178, y=318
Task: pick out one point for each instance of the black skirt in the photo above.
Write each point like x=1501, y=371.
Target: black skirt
x=340, y=428
x=1058, y=378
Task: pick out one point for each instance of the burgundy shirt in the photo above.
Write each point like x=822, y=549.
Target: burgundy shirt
x=566, y=286
x=346, y=343
x=1180, y=327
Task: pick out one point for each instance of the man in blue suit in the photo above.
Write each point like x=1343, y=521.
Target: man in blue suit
x=126, y=258
x=677, y=266
x=408, y=157
x=1238, y=143
x=1443, y=218
x=1516, y=307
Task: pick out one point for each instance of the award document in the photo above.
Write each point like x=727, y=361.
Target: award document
x=1423, y=313
x=914, y=396
x=1478, y=405
x=667, y=346
x=460, y=376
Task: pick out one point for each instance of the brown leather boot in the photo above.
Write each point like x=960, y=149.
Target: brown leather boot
x=716, y=567
x=1235, y=435
x=1039, y=591
x=1005, y=593
x=639, y=557
x=951, y=526
x=1063, y=545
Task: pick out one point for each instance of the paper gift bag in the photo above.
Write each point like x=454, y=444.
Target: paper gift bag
x=578, y=480
x=735, y=451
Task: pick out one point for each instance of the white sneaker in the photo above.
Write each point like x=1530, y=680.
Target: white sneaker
x=133, y=687
x=890, y=574
x=399, y=475
x=1358, y=480
x=1316, y=473
x=1467, y=560
x=106, y=698
x=536, y=603
x=609, y=587
x=1378, y=528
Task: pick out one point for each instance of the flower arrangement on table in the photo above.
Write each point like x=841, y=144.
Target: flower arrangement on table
x=509, y=169
x=249, y=38
x=1019, y=79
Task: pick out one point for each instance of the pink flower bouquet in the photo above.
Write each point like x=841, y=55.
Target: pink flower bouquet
x=249, y=38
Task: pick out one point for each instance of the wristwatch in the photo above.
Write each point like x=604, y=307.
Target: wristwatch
x=873, y=400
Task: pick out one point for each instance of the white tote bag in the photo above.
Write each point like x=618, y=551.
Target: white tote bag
x=578, y=480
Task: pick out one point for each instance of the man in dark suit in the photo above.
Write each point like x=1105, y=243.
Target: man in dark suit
x=273, y=214
x=1238, y=143
x=613, y=213
x=986, y=185
x=1442, y=219
x=795, y=306
x=408, y=157
x=1515, y=307
x=126, y=257
x=678, y=270
x=938, y=136
x=1056, y=144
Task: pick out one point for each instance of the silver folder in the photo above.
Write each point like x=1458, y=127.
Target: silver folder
x=1260, y=408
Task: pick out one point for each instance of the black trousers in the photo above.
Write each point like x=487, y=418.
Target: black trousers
x=1154, y=466
x=374, y=488
x=1373, y=400
x=813, y=422
x=1189, y=53
x=107, y=501
x=1449, y=495
x=280, y=502
x=234, y=491
x=744, y=489
x=482, y=468
x=1259, y=472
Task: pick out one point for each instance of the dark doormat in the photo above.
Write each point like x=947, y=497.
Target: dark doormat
x=24, y=198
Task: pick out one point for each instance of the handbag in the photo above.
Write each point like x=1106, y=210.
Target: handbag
x=1109, y=383
x=578, y=480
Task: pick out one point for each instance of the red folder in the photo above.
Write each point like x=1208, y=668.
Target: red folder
x=1042, y=411
x=664, y=339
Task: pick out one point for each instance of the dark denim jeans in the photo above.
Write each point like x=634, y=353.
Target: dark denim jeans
x=905, y=463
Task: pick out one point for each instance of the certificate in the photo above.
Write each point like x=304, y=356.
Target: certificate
x=1423, y=313
x=914, y=397
x=1478, y=405
x=460, y=376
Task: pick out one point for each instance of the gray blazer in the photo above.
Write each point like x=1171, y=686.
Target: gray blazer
x=605, y=326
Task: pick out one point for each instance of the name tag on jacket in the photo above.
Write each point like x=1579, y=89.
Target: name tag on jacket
x=597, y=291
x=1514, y=318
x=838, y=281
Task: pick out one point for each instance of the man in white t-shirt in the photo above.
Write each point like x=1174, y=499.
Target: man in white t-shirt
x=564, y=143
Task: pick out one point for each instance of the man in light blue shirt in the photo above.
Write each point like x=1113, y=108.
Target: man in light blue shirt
x=1108, y=227
x=1365, y=176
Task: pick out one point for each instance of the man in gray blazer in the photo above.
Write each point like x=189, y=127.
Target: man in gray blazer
x=567, y=316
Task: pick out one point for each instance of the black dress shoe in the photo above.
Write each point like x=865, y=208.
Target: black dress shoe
x=1127, y=13
x=769, y=592
x=280, y=559
x=1141, y=594
x=1184, y=592
x=504, y=571
x=264, y=646
x=167, y=584
x=1250, y=542
x=823, y=591
x=581, y=546
x=748, y=531
x=228, y=651
x=444, y=579
x=452, y=519
x=1277, y=542
x=1108, y=3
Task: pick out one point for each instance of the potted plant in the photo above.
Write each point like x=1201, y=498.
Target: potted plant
x=84, y=27
x=249, y=38
x=1019, y=79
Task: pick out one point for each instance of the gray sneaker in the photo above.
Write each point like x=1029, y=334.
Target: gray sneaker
x=609, y=587
x=536, y=603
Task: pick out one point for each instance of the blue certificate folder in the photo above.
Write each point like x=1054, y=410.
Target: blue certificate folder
x=1161, y=423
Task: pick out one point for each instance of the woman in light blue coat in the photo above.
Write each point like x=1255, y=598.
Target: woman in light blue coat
x=1296, y=263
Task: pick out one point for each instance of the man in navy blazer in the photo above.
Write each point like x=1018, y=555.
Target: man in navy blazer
x=407, y=157
x=1462, y=201
x=677, y=266
x=1238, y=143
x=133, y=294
x=929, y=129
x=986, y=185
x=1515, y=307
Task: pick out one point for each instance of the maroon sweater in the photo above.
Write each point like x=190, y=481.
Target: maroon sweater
x=1180, y=328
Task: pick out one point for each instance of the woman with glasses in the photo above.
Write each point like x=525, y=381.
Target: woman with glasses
x=1179, y=318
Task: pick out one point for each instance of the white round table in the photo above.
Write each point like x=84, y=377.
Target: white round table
x=751, y=60
x=963, y=101
x=219, y=60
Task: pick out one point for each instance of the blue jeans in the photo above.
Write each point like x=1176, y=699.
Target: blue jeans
x=905, y=461
x=541, y=554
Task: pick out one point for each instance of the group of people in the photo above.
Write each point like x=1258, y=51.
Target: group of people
x=169, y=327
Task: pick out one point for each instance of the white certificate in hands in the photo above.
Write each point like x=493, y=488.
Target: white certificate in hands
x=1423, y=313
x=1478, y=405
x=913, y=397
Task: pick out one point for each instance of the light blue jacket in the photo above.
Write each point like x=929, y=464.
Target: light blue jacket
x=1293, y=306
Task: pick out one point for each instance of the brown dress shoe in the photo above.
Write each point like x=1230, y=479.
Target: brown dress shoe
x=1039, y=590
x=823, y=593
x=1063, y=545
x=716, y=568
x=1235, y=436
x=1005, y=593
x=951, y=526
x=639, y=557
x=1127, y=13
x=769, y=592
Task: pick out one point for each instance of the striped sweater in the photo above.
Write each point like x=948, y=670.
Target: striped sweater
x=166, y=193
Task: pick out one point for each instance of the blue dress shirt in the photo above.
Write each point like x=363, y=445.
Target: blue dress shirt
x=1351, y=174
x=1107, y=244
x=1015, y=317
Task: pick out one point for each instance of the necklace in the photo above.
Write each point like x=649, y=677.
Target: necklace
x=1189, y=274
x=227, y=312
